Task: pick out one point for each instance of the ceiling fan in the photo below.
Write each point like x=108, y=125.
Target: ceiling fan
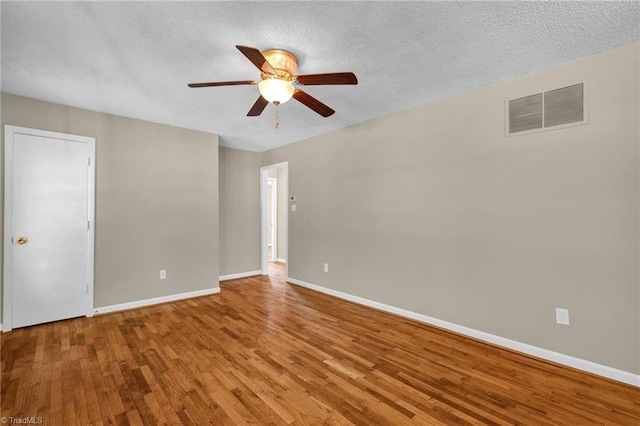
x=279, y=80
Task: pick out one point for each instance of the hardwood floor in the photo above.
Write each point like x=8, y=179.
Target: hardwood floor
x=266, y=352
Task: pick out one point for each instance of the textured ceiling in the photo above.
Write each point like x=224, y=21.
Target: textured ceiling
x=136, y=58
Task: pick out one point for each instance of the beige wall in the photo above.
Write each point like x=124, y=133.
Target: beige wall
x=156, y=200
x=239, y=211
x=434, y=210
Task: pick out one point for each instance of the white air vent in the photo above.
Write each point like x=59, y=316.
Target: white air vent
x=559, y=107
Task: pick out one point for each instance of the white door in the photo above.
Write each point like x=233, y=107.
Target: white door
x=50, y=265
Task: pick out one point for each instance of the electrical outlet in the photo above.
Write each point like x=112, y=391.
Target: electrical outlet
x=562, y=316
x=163, y=274
x=326, y=267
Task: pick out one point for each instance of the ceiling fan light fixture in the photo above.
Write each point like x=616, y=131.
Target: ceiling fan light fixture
x=276, y=90
x=278, y=71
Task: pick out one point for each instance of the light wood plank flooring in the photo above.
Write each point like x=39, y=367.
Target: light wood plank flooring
x=266, y=352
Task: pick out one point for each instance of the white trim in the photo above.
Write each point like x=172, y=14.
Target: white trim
x=91, y=207
x=282, y=260
x=156, y=300
x=7, y=287
x=578, y=363
x=239, y=275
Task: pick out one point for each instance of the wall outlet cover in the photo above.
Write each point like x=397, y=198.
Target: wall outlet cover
x=562, y=316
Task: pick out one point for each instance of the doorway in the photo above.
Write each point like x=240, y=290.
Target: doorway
x=49, y=197
x=274, y=217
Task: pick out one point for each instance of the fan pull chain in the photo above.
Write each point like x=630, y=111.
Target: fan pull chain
x=277, y=115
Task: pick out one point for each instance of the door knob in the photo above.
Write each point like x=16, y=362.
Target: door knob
x=21, y=240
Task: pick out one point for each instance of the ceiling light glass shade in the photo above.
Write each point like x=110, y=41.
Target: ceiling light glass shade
x=274, y=90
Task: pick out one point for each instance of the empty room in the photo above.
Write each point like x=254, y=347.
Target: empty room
x=307, y=213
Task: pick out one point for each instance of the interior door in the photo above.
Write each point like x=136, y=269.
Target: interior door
x=50, y=266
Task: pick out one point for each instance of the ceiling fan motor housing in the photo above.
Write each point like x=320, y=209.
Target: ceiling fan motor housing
x=285, y=64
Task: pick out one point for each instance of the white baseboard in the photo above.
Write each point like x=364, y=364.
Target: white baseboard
x=282, y=260
x=239, y=275
x=156, y=300
x=578, y=363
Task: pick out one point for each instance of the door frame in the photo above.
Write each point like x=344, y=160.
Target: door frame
x=264, y=266
x=274, y=217
x=7, y=285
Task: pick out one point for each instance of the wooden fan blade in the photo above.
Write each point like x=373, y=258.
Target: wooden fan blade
x=255, y=56
x=258, y=107
x=222, y=83
x=329, y=78
x=312, y=103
